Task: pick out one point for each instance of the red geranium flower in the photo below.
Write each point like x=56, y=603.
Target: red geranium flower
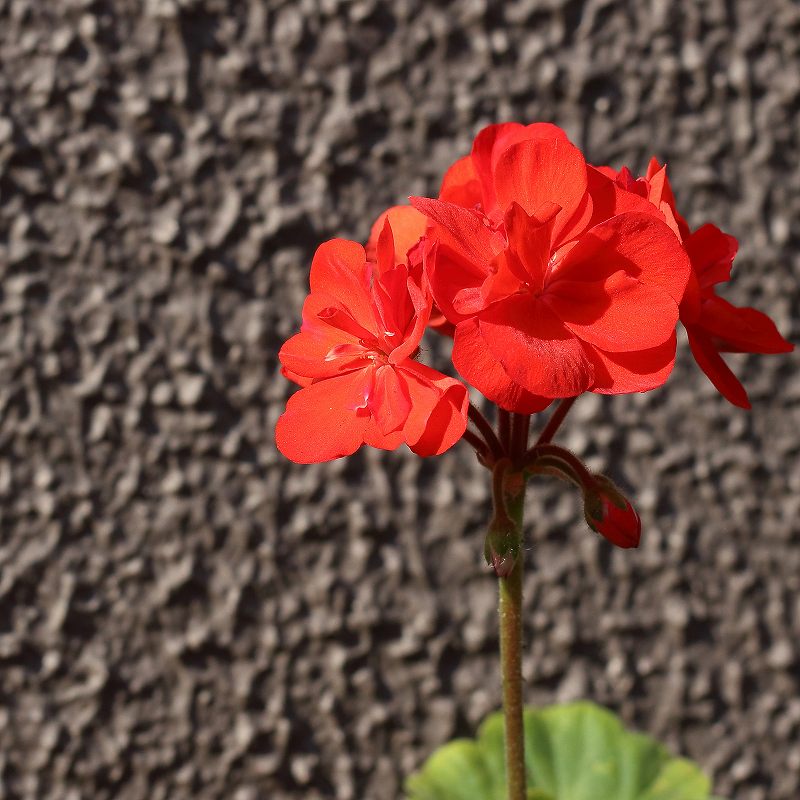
x=713, y=325
x=470, y=181
x=362, y=324
x=716, y=326
x=549, y=300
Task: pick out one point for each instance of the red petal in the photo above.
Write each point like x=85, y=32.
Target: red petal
x=391, y=304
x=609, y=198
x=529, y=237
x=609, y=172
x=667, y=196
x=446, y=423
x=622, y=373
x=741, y=330
x=339, y=269
x=408, y=227
x=323, y=421
x=671, y=219
x=384, y=250
x=389, y=400
x=322, y=349
x=522, y=264
x=541, y=171
x=653, y=167
x=461, y=229
x=451, y=276
x=619, y=314
x=494, y=140
x=580, y=221
x=507, y=277
x=690, y=307
x=472, y=359
x=374, y=437
x=657, y=185
x=422, y=302
x=301, y=380
x=439, y=404
x=312, y=354
x=486, y=149
x=460, y=184
x=635, y=243
x=540, y=130
x=711, y=252
x=321, y=308
x=535, y=348
x=718, y=372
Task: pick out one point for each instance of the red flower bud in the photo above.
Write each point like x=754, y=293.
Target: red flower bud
x=610, y=514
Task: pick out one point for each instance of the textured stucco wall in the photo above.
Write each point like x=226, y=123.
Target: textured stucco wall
x=183, y=614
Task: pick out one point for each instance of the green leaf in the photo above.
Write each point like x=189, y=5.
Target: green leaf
x=457, y=771
x=577, y=751
x=538, y=794
x=679, y=778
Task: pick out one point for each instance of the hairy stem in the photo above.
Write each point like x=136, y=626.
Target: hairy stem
x=520, y=426
x=511, y=647
x=482, y=424
x=554, y=423
x=504, y=427
x=480, y=446
x=551, y=455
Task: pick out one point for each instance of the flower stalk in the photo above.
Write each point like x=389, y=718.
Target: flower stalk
x=504, y=425
x=554, y=423
x=510, y=608
x=486, y=430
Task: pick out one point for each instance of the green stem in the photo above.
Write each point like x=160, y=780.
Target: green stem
x=511, y=647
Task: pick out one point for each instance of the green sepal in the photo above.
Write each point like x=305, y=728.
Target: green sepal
x=502, y=543
x=611, y=491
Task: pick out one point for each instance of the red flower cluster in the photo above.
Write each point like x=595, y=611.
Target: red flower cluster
x=354, y=358
x=554, y=278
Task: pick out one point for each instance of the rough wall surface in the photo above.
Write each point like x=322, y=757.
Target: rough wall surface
x=183, y=614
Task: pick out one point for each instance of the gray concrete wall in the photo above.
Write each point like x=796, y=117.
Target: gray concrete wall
x=184, y=614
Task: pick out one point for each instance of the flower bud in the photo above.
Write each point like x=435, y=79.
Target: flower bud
x=501, y=547
x=609, y=512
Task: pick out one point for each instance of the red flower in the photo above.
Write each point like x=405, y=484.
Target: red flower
x=362, y=324
x=470, y=181
x=713, y=325
x=653, y=187
x=549, y=300
x=614, y=518
x=409, y=227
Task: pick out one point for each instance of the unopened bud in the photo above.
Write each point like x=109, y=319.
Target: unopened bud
x=609, y=512
x=501, y=547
